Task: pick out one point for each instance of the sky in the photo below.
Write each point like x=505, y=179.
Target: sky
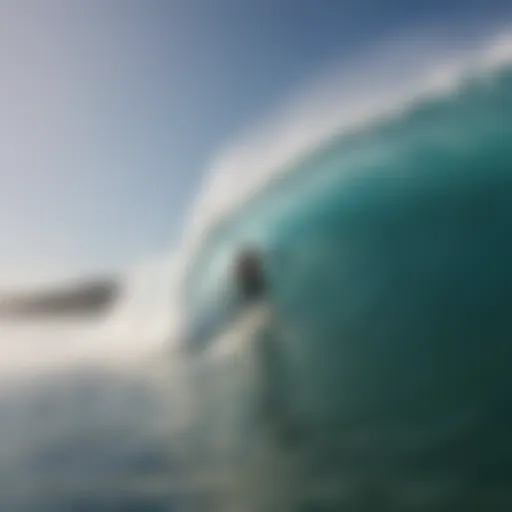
x=112, y=110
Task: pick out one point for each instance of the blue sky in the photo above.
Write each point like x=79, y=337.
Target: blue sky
x=112, y=109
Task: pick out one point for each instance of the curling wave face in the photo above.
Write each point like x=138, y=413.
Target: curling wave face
x=388, y=254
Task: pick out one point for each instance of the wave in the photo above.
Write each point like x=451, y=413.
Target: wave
x=387, y=250
x=265, y=181
x=397, y=170
x=381, y=84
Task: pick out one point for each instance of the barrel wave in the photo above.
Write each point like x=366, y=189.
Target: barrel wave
x=375, y=374
x=371, y=371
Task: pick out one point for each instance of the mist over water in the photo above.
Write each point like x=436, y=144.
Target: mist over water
x=391, y=292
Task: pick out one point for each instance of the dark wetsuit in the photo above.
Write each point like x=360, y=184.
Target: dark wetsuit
x=249, y=275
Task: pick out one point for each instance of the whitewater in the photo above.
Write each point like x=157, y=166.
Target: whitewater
x=383, y=199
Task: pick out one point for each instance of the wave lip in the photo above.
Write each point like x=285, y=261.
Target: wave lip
x=381, y=86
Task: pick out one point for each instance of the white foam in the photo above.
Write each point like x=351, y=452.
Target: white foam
x=245, y=328
x=136, y=326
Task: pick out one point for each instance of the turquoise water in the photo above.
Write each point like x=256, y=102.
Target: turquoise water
x=388, y=348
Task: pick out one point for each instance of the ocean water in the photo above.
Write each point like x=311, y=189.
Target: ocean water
x=373, y=376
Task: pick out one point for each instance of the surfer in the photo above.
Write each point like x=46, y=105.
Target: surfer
x=249, y=275
x=253, y=287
